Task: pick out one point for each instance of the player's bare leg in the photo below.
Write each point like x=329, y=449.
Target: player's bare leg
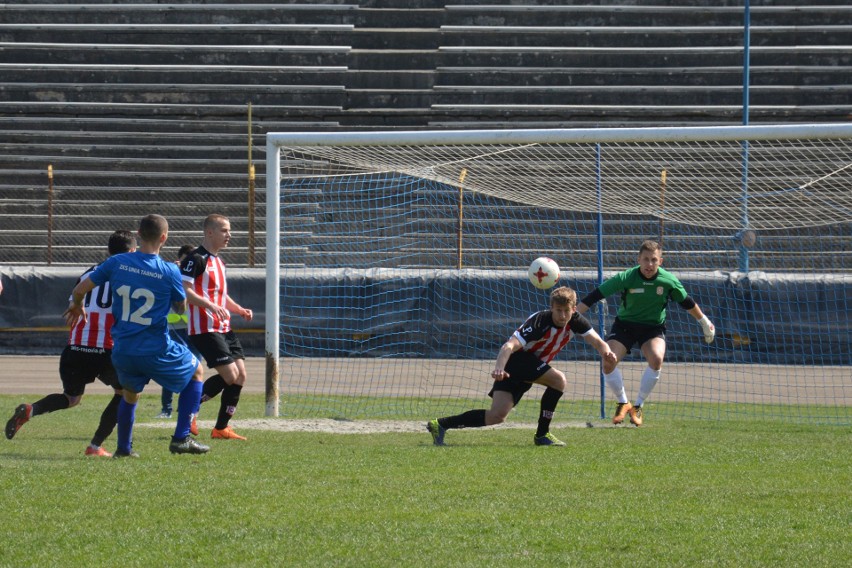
x=501, y=405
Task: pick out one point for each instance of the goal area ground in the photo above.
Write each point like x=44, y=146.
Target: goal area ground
x=307, y=397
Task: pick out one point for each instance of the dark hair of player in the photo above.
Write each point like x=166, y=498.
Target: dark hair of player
x=121, y=241
x=152, y=227
x=185, y=250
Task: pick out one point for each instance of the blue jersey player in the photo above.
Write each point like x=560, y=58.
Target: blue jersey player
x=144, y=288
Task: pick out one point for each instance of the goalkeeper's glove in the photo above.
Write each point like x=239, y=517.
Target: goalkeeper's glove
x=709, y=329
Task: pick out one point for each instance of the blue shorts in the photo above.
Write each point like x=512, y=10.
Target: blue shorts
x=181, y=336
x=172, y=370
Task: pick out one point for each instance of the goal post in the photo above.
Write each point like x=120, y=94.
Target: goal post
x=272, y=337
x=396, y=263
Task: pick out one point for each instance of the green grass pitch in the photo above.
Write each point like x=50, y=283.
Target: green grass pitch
x=672, y=493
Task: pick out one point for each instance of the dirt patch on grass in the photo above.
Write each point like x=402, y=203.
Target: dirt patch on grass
x=330, y=426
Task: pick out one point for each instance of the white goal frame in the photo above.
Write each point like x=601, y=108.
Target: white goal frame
x=275, y=141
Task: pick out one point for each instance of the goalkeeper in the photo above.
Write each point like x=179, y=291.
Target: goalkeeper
x=645, y=291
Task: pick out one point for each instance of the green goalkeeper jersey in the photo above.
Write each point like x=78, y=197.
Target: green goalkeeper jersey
x=643, y=300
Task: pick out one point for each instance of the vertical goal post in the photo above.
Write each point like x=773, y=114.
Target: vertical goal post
x=554, y=176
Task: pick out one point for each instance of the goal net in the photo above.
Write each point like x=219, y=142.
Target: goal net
x=401, y=265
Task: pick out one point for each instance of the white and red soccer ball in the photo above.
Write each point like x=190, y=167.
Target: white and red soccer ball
x=544, y=273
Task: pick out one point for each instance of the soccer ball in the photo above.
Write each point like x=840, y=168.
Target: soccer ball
x=544, y=273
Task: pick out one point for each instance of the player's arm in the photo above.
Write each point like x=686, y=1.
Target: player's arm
x=610, y=286
x=201, y=302
x=235, y=308
x=590, y=300
x=179, y=307
x=191, y=267
x=75, y=311
x=594, y=340
x=499, y=373
x=580, y=325
x=706, y=325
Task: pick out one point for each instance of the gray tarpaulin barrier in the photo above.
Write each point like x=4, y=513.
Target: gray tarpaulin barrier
x=760, y=317
x=34, y=298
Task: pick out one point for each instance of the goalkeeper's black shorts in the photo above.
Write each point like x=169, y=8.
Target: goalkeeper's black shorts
x=630, y=333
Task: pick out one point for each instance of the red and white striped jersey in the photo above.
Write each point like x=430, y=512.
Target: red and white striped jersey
x=539, y=336
x=205, y=273
x=96, y=330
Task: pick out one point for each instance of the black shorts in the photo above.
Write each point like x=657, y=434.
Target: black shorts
x=629, y=333
x=80, y=366
x=218, y=348
x=523, y=368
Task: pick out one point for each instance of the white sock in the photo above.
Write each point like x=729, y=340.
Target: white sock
x=615, y=382
x=649, y=381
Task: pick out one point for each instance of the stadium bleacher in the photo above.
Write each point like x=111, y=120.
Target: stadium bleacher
x=142, y=107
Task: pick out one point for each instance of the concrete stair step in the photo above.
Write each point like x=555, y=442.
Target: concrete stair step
x=390, y=79
x=657, y=14
x=259, y=75
x=122, y=176
x=615, y=57
x=130, y=192
x=176, y=111
x=405, y=37
x=514, y=114
x=676, y=76
x=708, y=37
x=710, y=95
x=142, y=54
x=45, y=136
x=180, y=13
x=179, y=34
x=173, y=94
x=154, y=152
x=186, y=128
x=124, y=166
x=403, y=58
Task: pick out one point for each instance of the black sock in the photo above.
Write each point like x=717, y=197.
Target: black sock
x=469, y=419
x=549, y=400
x=109, y=418
x=230, y=398
x=212, y=387
x=50, y=403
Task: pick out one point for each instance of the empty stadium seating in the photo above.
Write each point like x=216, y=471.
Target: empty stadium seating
x=142, y=107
